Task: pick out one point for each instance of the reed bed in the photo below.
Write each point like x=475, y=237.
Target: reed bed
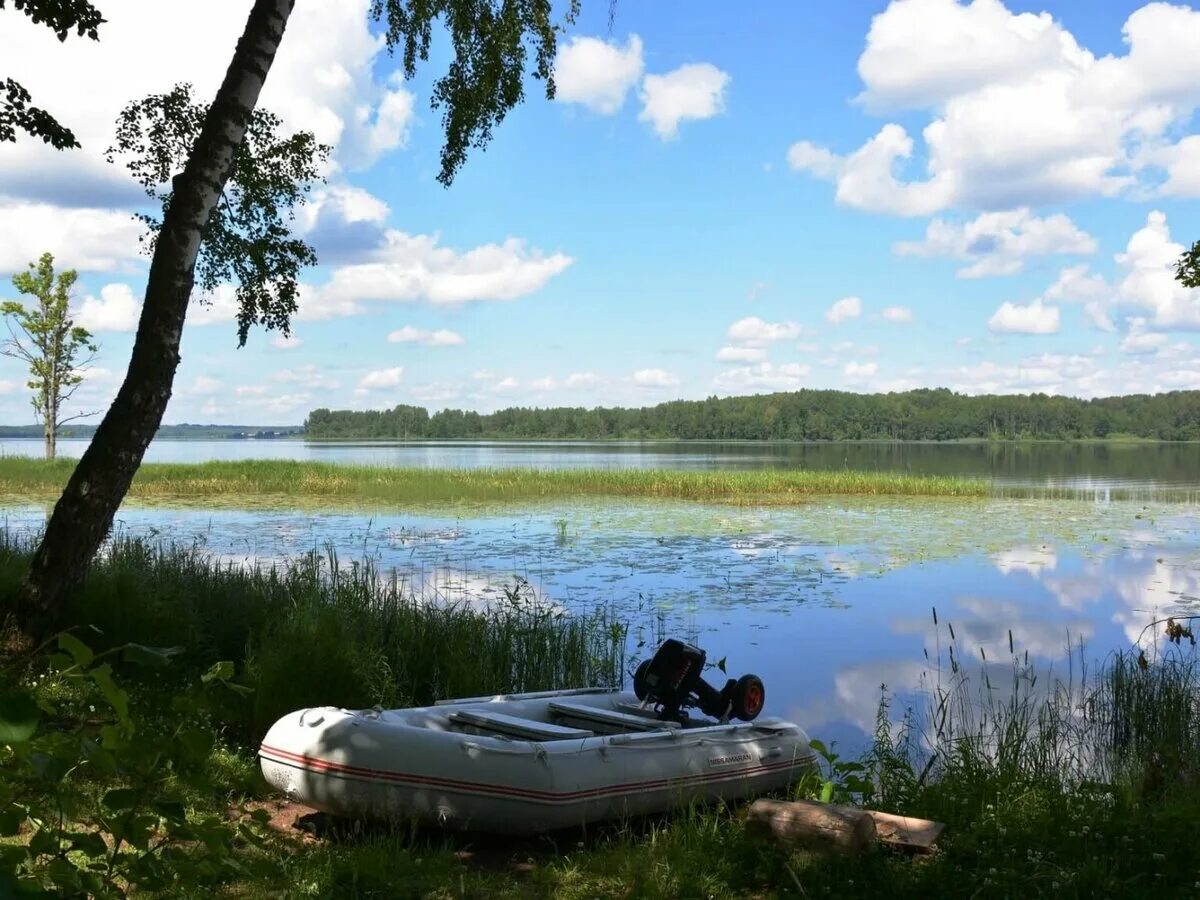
x=335, y=484
x=316, y=631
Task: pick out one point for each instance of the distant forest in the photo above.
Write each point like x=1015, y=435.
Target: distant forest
x=808, y=415
x=172, y=432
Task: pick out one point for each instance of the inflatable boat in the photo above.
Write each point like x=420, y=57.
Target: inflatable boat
x=525, y=763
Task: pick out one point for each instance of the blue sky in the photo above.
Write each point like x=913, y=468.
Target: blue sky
x=871, y=196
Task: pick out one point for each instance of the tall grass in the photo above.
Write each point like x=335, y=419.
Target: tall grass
x=334, y=483
x=318, y=632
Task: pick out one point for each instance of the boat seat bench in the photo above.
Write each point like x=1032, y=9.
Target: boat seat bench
x=516, y=727
x=601, y=716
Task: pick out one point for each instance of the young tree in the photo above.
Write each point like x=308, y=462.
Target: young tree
x=44, y=337
x=16, y=111
x=490, y=40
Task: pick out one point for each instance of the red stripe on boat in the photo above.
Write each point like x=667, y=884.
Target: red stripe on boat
x=324, y=766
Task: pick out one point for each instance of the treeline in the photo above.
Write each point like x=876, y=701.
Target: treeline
x=808, y=415
x=173, y=432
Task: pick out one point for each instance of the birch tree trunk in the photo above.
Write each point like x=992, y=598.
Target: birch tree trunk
x=83, y=515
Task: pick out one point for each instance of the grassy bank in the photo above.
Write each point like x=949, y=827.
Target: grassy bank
x=333, y=484
x=1084, y=787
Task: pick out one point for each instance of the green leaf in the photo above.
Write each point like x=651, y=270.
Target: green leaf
x=10, y=821
x=150, y=657
x=172, y=810
x=116, y=697
x=827, y=792
x=120, y=799
x=90, y=843
x=45, y=841
x=19, y=716
x=218, y=671
x=80, y=652
x=721, y=663
x=197, y=742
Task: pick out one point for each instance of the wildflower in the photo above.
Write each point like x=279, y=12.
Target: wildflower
x=1086, y=829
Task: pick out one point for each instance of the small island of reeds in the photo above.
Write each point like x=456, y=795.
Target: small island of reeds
x=335, y=484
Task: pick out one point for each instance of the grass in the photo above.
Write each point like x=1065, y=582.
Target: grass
x=316, y=632
x=329, y=483
x=1081, y=785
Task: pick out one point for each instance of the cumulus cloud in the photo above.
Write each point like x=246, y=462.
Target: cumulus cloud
x=381, y=379
x=1019, y=113
x=754, y=332
x=582, y=381
x=286, y=342
x=116, y=309
x=1077, y=284
x=899, y=314
x=442, y=337
x=326, y=78
x=741, y=354
x=999, y=243
x=90, y=240
x=409, y=268
x=309, y=376
x=1149, y=286
x=1047, y=373
x=343, y=223
x=856, y=371
x=1138, y=341
x=597, y=74
x=846, y=308
x=1033, y=318
x=768, y=376
x=691, y=92
x=654, y=378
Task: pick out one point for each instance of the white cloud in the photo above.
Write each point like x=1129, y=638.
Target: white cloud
x=543, y=384
x=1035, y=318
x=999, y=243
x=505, y=386
x=1047, y=373
x=899, y=314
x=804, y=156
x=116, y=309
x=1019, y=113
x=846, y=308
x=90, y=240
x=855, y=371
x=654, y=378
x=741, y=354
x=693, y=91
x=409, y=268
x=582, y=381
x=1139, y=341
x=597, y=74
x=251, y=390
x=381, y=379
x=343, y=223
x=787, y=376
x=308, y=376
x=442, y=337
x=203, y=386
x=286, y=342
x=1149, y=286
x=754, y=332
x=1076, y=284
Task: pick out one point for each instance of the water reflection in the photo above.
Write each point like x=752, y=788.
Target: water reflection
x=827, y=602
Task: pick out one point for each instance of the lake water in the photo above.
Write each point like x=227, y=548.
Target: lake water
x=827, y=602
x=1148, y=470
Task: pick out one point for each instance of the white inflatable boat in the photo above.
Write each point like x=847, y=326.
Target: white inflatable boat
x=523, y=763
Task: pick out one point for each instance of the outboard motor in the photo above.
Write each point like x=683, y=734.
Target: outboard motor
x=672, y=680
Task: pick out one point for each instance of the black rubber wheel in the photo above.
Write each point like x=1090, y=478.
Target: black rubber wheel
x=749, y=697
x=639, y=680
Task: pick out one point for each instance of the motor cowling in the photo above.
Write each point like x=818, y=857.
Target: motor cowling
x=673, y=680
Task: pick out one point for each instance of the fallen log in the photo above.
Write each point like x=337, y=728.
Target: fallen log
x=811, y=825
x=839, y=829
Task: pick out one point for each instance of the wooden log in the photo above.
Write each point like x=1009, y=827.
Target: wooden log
x=905, y=831
x=811, y=825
